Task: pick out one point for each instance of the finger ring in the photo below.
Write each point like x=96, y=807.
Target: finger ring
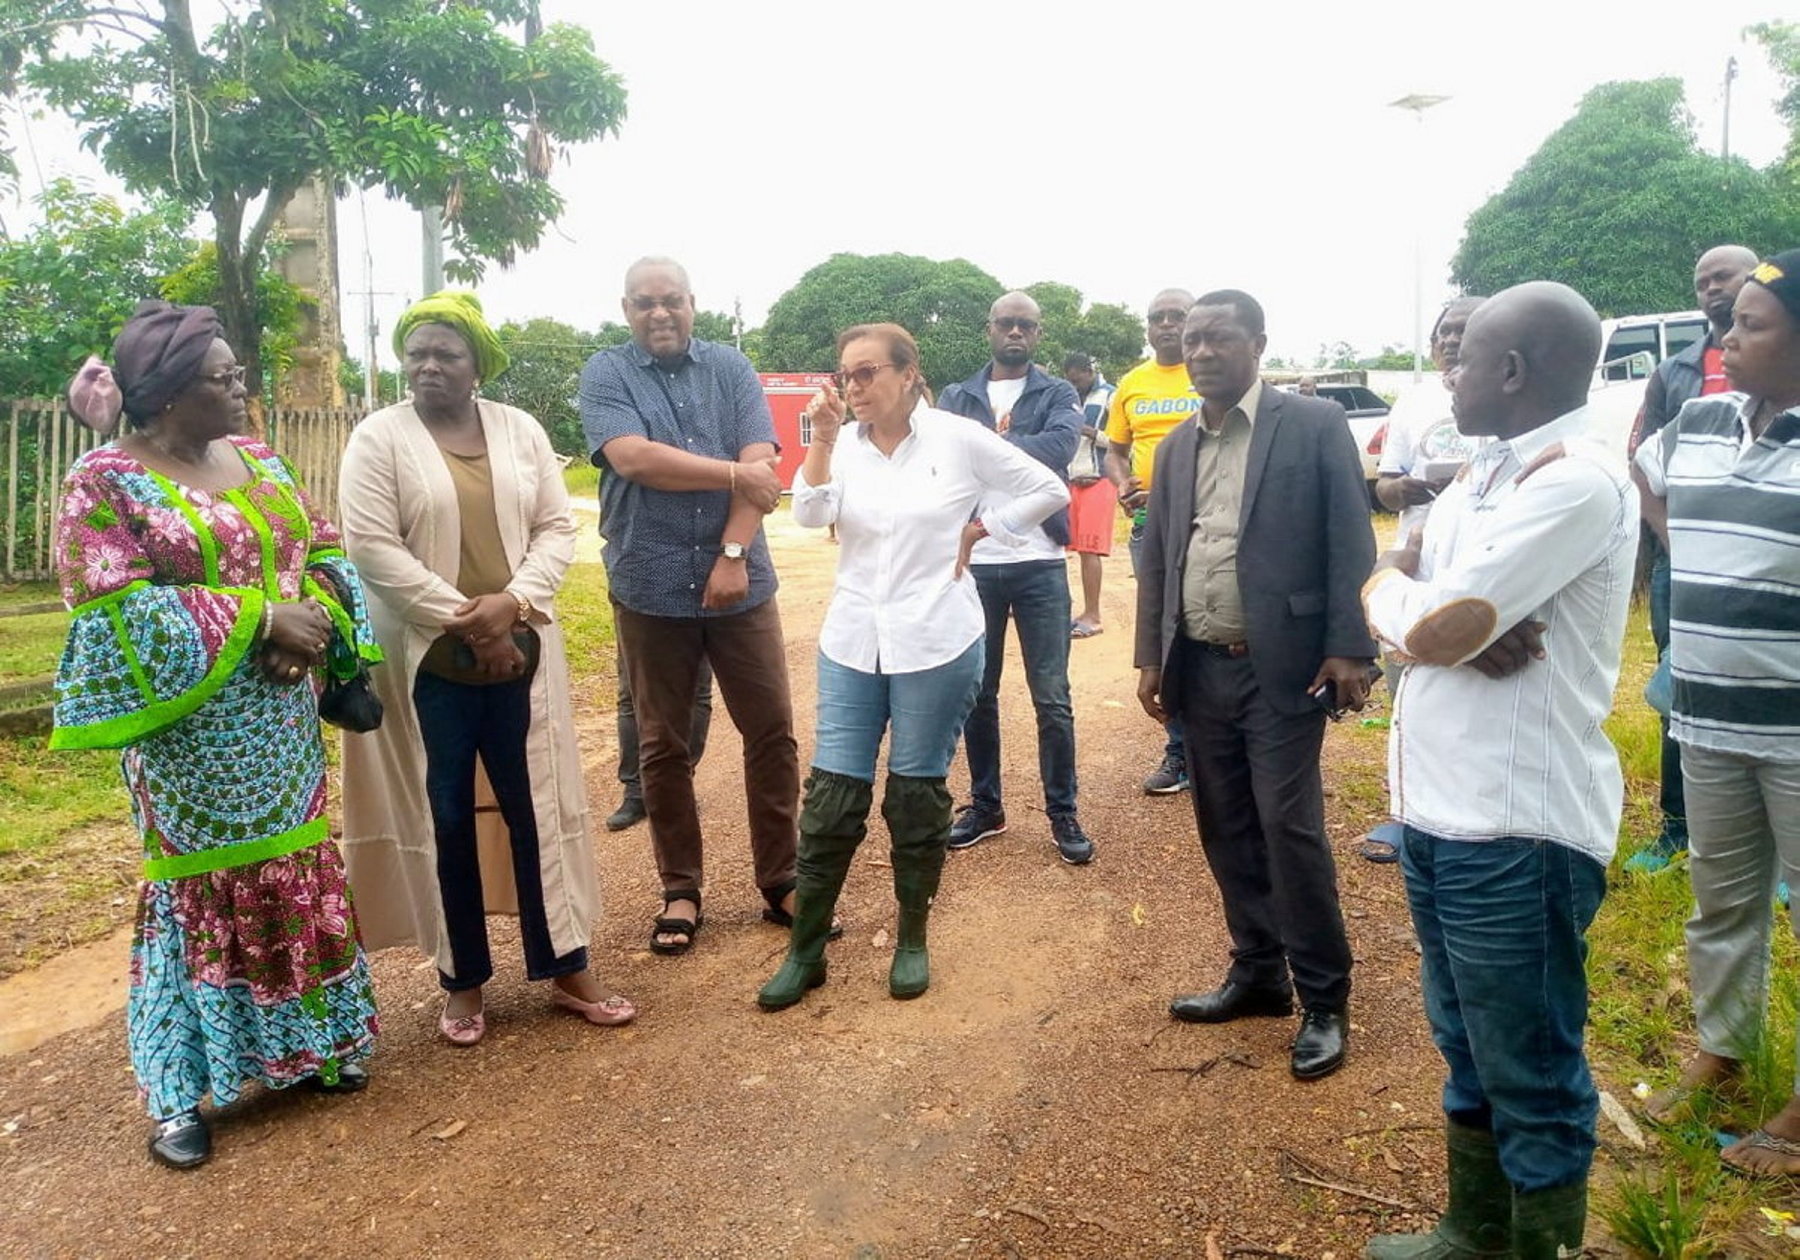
x=293, y=671
x=319, y=646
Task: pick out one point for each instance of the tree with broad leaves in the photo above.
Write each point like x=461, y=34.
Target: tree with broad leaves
x=68, y=284
x=1781, y=40
x=435, y=103
x=1618, y=203
x=944, y=305
x=1110, y=335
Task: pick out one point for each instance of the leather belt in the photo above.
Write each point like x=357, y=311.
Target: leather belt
x=1230, y=650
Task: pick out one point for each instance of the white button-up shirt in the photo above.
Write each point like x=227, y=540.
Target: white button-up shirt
x=1541, y=526
x=899, y=606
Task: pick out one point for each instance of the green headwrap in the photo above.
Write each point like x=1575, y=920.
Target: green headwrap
x=461, y=310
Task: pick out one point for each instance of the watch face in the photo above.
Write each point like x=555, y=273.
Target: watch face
x=734, y=551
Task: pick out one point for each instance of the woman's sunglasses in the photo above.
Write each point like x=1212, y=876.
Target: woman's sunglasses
x=860, y=377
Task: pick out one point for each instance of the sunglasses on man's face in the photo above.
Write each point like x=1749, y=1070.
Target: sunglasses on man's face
x=1007, y=323
x=860, y=377
x=1168, y=317
x=674, y=305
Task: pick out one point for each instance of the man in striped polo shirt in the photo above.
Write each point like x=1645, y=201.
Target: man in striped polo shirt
x=1721, y=485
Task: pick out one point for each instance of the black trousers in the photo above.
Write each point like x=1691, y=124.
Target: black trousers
x=1260, y=806
x=458, y=723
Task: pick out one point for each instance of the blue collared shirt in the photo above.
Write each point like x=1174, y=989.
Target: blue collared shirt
x=661, y=544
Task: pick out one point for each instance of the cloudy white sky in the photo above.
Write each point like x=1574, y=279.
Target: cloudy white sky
x=1120, y=147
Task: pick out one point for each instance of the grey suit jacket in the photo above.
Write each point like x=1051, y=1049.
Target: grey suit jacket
x=1305, y=548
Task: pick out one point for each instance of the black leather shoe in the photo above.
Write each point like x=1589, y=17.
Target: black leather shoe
x=1230, y=1001
x=629, y=814
x=353, y=1078
x=181, y=1141
x=1319, y=1046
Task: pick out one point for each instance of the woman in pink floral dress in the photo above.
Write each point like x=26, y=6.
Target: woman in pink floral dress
x=207, y=596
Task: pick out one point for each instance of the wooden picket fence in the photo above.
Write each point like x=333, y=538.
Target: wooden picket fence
x=41, y=440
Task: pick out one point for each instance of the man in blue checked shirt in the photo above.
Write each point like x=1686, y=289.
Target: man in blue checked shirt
x=682, y=432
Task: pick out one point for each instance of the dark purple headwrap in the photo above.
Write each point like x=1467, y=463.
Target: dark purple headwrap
x=158, y=353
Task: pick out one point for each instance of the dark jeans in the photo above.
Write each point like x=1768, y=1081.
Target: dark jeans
x=458, y=723
x=1172, y=746
x=1502, y=927
x=1674, y=803
x=1260, y=806
x=665, y=656
x=628, y=724
x=1035, y=596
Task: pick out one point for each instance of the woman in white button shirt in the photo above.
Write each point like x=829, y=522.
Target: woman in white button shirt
x=910, y=489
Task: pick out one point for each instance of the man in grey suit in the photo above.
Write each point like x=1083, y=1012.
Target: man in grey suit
x=1249, y=631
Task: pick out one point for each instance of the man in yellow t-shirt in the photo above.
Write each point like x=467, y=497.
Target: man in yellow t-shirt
x=1151, y=400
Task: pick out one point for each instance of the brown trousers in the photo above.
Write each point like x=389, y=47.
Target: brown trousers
x=663, y=655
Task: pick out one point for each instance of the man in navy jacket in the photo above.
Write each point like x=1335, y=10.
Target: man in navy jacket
x=1027, y=582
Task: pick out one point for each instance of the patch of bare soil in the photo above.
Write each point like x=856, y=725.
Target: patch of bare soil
x=53, y=902
x=1037, y=1102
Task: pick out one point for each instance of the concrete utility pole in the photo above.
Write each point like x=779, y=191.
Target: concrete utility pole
x=1418, y=103
x=1725, y=139
x=431, y=239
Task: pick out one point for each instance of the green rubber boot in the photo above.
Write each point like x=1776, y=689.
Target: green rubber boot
x=1479, y=1220
x=918, y=818
x=1547, y=1224
x=833, y=821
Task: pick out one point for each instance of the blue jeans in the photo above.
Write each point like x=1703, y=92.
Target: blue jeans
x=1034, y=595
x=1502, y=926
x=1172, y=746
x=925, y=711
x=457, y=723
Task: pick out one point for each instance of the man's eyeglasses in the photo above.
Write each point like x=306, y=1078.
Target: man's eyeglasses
x=860, y=377
x=674, y=305
x=1168, y=317
x=228, y=378
x=1006, y=323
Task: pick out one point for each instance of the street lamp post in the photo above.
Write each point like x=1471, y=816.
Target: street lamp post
x=1418, y=103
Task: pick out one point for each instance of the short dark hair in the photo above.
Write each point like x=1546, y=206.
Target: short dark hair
x=1466, y=303
x=1076, y=359
x=1248, y=310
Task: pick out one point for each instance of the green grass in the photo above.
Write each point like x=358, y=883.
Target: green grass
x=67, y=857
x=31, y=646
x=582, y=479
x=1673, y=1201
x=585, y=612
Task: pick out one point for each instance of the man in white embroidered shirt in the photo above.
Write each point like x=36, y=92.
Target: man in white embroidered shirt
x=1511, y=612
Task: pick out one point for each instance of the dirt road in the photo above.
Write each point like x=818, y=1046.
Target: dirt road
x=1037, y=1102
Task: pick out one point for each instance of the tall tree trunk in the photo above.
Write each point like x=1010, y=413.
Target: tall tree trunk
x=236, y=299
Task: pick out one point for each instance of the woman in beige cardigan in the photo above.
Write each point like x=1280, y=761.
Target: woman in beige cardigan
x=456, y=515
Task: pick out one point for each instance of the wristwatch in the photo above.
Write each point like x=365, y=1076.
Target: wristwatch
x=734, y=551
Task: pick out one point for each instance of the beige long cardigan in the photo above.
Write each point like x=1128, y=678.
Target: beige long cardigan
x=403, y=531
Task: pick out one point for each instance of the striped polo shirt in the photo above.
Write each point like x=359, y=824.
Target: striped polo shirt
x=1734, y=552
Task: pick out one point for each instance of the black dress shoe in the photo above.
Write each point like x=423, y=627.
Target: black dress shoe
x=1230, y=1001
x=1319, y=1047
x=181, y=1141
x=629, y=814
x=353, y=1078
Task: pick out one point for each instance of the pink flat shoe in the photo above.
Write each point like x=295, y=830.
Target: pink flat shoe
x=465, y=1030
x=609, y=1012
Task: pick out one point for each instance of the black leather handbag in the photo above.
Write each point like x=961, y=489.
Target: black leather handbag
x=351, y=703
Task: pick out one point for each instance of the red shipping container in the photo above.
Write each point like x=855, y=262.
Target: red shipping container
x=788, y=393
